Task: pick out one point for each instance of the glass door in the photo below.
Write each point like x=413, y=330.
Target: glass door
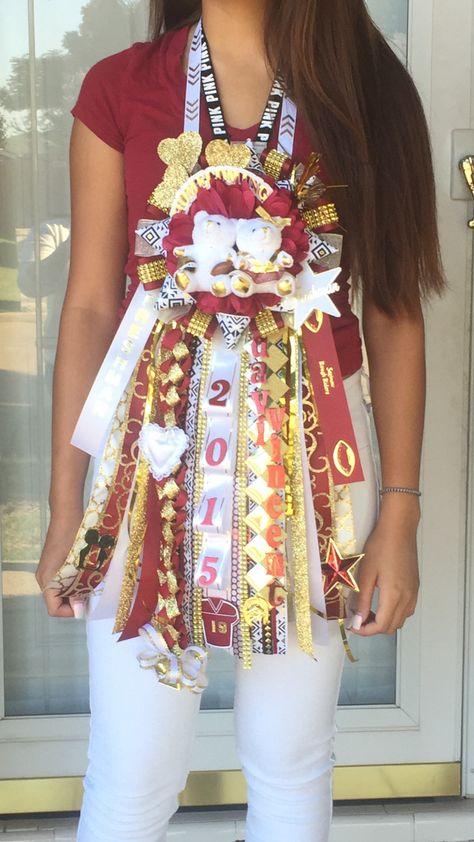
x=393, y=699
x=46, y=47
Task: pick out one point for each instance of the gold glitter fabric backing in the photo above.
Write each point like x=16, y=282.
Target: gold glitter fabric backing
x=344, y=520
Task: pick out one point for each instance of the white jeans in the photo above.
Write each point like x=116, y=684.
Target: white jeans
x=142, y=731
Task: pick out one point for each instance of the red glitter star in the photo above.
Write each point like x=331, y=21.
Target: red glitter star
x=337, y=571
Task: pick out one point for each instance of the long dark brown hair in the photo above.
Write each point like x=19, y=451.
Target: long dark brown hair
x=367, y=119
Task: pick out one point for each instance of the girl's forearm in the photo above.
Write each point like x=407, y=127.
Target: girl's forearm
x=85, y=336
x=396, y=355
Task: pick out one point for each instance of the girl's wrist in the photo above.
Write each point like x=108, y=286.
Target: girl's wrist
x=400, y=509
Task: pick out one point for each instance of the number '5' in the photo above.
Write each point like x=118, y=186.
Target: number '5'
x=208, y=573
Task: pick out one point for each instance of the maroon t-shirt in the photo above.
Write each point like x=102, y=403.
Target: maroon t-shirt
x=134, y=99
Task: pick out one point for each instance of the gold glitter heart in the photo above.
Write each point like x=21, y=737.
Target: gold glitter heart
x=220, y=153
x=163, y=195
x=183, y=150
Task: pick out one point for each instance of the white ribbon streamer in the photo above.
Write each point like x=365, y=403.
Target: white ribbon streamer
x=115, y=371
x=286, y=134
x=193, y=86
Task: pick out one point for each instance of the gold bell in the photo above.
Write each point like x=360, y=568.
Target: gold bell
x=182, y=280
x=241, y=285
x=285, y=287
x=219, y=289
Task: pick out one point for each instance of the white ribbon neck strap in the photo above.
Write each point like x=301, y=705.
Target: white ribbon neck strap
x=192, y=110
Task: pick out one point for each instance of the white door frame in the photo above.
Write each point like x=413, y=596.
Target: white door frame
x=468, y=729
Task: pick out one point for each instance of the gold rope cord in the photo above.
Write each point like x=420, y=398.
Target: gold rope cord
x=299, y=549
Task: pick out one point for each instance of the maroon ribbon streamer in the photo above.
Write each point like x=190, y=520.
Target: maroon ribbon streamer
x=331, y=402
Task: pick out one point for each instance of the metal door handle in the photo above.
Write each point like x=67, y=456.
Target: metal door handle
x=466, y=165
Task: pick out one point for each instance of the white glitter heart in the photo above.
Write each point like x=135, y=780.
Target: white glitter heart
x=162, y=447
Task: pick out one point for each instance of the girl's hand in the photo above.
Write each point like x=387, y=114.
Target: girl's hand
x=59, y=540
x=391, y=563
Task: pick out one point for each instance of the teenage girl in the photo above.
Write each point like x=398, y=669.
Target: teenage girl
x=357, y=106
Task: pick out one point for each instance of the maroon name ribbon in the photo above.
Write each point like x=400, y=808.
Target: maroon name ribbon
x=330, y=398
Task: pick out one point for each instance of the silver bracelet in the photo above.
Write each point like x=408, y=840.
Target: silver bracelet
x=388, y=489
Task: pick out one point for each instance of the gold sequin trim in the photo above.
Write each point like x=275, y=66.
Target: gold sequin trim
x=324, y=215
x=199, y=324
x=153, y=271
x=266, y=324
x=274, y=163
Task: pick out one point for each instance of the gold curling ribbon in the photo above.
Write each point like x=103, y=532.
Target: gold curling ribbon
x=342, y=629
x=155, y=270
x=345, y=641
x=324, y=215
x=299, y=549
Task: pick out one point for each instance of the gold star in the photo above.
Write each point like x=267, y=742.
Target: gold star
x=337, y=571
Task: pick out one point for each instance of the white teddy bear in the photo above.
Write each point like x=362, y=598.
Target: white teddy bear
x=226, y=253
x=258, y=245
x=212, y=246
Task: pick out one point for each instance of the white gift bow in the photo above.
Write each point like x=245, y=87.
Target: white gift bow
x=188, y=670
